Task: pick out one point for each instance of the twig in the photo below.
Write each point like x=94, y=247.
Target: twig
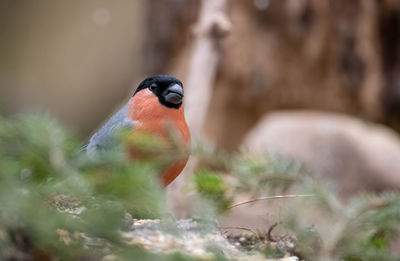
x=266, y=198
x=269, y=233
x=240, y=228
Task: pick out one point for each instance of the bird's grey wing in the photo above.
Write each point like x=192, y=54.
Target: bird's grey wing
x=103, y=138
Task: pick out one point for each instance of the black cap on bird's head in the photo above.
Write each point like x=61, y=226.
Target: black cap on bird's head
x=168, y=89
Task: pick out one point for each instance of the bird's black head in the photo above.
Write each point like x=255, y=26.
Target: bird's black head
x=168, y=89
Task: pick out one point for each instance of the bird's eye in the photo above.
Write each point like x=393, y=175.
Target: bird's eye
x=153, y=87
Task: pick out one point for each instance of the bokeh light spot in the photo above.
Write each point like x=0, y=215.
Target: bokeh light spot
x=101, y=16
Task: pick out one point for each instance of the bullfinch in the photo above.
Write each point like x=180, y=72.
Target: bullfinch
x=155, y=108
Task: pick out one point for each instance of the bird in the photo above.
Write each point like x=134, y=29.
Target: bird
x=155, y=108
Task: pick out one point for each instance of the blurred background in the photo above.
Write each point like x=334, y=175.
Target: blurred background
x=317, y=81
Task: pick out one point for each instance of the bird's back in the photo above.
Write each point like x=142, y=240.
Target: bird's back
x=104, y=137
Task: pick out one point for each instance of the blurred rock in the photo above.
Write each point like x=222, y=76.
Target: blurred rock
x=197, y=238
x=355, y=155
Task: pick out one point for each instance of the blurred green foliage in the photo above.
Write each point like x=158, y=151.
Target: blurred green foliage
x=211, y=186
x=59, y=202
x=47, y=185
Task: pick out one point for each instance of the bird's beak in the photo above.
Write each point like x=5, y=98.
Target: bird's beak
x=174, y=94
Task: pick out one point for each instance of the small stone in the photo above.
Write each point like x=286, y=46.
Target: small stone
x=111, y=258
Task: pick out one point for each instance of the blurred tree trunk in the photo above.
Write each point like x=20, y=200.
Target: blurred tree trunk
x=334, y=55
x=209, y=31
x=298, y=54
x=389, y=39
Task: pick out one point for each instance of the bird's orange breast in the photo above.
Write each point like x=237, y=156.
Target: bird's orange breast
x=152, y=117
